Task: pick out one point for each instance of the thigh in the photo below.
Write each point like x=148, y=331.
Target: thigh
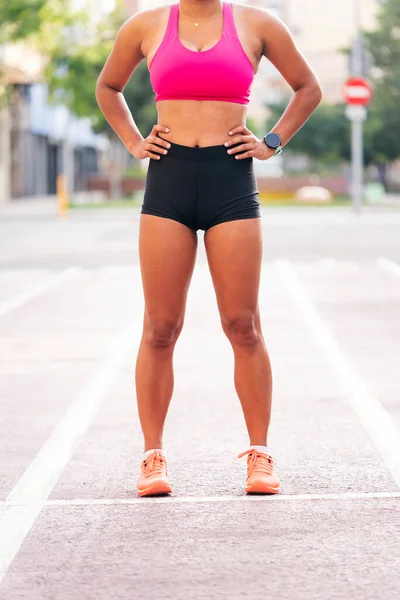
x=167, y=252
x=227, y=191
x=234, y=253
x=170, y=190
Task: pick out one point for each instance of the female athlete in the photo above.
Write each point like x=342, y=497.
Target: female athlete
x=202, y=56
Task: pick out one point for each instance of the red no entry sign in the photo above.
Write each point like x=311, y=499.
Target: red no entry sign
x=357, y=91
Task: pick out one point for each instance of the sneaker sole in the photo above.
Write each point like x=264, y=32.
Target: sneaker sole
x=258, y=489
x=157, y=489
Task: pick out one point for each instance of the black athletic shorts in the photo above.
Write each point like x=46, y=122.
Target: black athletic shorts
x=201, y=187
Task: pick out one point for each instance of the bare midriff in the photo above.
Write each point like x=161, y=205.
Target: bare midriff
x=199, y=123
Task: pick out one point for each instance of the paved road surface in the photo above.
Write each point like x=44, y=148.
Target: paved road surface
x=71, y=525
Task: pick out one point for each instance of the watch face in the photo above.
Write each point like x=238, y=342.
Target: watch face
x=273, y=140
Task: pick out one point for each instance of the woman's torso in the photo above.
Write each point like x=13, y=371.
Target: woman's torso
x=201, y=122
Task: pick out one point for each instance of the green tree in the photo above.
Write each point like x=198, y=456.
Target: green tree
x=325, y=136
x=76, y=57
x=43, y=23
x=382, y=128
x=74, y=70
x=19, y=19
x=40, y=23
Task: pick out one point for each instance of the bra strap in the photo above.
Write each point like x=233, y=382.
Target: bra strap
x=229, y=22
x=171, y=32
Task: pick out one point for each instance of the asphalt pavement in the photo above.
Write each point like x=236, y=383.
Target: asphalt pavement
x=71, y=524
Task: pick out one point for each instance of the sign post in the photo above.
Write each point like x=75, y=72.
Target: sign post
x=357, y=94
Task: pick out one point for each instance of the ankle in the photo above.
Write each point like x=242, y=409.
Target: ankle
x=152, y=444
x=258, y=441
x=151, y=450
x=264, y=448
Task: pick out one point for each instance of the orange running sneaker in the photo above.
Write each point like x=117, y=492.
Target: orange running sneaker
x=153, y=476
x=261, y=477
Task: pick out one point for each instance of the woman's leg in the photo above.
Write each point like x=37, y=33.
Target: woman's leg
x=234, y=252
x=167, y=252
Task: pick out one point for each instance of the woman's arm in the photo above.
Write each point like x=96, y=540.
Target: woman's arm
x=281, y=50
x=121, y=63
x=123, y=60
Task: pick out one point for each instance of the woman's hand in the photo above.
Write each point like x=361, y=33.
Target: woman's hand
x=152, y=146
x=250, y=145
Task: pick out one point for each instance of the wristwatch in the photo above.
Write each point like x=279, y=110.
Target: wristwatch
x=274, y=141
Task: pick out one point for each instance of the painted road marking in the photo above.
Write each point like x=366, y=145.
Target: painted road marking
x=37, y=290
x=335, y=263
x=36, y=484
x=373, y=416
x=389, y=266
x=117, y=269
x=202, y=499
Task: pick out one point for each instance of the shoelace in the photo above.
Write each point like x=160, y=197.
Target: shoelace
x=259, y=462
x=154, y=465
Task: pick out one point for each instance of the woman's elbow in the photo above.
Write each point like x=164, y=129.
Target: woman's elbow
x=102, y=89
x=318, y=93
x=99, y=87
x=100, y=83
x=316, y=90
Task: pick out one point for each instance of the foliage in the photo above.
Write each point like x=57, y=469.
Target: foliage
x=326, y=134
x=42, y=22
x=140, y=98
x=76, y=49
x=19, y=19
x=74, y=70
x=383, y=126
x=255, y=126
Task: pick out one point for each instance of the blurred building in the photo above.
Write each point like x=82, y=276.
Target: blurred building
x=321, y=36
x=132, y=6
x=40, y=140
x=47, y=140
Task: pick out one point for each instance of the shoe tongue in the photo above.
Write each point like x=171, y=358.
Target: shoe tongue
x=258, y=454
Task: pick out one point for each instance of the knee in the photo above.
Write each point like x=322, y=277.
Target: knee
x=241, y=329
x=163, y=332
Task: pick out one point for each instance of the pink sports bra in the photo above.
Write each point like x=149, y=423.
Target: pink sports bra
x=224, y=72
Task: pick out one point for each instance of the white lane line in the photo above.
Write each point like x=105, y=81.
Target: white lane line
x=36, y=484
x=205, y=499
x=389, y=266
x=328, y=262
x=117, y=269
x=373, y=416
x=37, y=290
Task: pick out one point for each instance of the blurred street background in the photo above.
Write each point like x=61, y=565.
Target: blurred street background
x=71, y=307
x=51, y=53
